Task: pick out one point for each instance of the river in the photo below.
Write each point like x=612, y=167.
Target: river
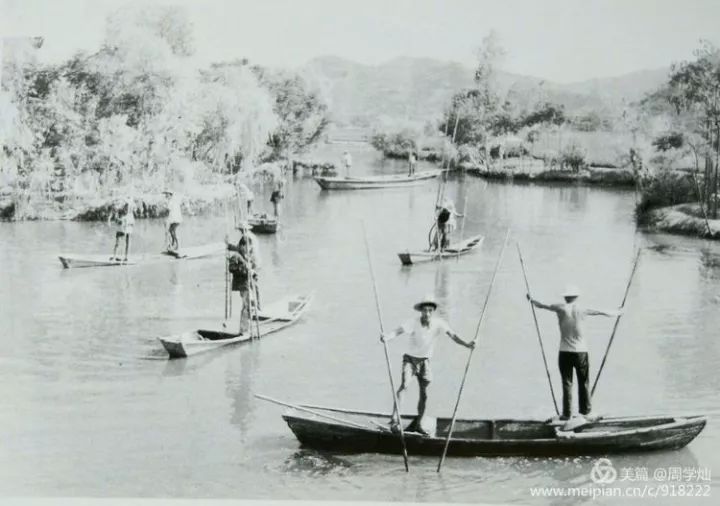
x=91, y=407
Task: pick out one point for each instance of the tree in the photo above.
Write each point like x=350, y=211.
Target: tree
x=302, y=115
x=693, y=89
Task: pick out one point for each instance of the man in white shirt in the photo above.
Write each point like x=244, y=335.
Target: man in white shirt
x=422, y=333
x=347, y=162
x=174, y=219
x=573, y=353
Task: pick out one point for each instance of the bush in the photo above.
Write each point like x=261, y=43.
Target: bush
x=574, y=157
x=666, y=188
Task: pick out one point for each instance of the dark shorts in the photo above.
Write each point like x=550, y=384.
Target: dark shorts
x=418, y=367
x=119, y=234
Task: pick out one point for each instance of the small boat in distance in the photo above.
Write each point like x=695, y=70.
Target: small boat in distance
x=274, y=317
x=453, y=250
x=195, y=252
x=263, y=224
x=374, y=182
x=339, y=430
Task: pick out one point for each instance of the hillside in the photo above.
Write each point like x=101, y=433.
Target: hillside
x=417, y=89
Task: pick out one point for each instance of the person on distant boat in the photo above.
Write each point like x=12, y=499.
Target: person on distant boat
x=573, y=355
x=412, y=162
x=246, y=197
x=276, y=196
x=243, y=265
x=125, y=218
x=422, y=333
x=446, y=224
x=174, y=219
x=347, y=162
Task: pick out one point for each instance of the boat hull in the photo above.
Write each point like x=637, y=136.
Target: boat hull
x=264, y=225
x=275, y=317
x=192, y=253
x=376, y=182
x=452, y=251
x=491, y=438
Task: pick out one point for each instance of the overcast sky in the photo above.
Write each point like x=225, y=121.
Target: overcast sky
x=560, y=40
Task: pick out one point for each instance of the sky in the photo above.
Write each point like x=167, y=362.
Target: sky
x=559, y=40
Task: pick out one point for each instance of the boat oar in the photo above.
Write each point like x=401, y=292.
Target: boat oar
x=617, y=321
x=467, y=365
x=385, y=348
x=537, y=329
x=313, y=412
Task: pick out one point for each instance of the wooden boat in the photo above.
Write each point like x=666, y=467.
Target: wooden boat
x=274, y=317
x=263, y=224
x=372, y=182
x=453, y=250
x=195, y=252
x=365, y=432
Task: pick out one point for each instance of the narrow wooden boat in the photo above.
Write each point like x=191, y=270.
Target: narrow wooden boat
x=347, y=431
x=274, y=317
x=453, y=250
x=263, y=224
x=373, y=182
x=195, y=252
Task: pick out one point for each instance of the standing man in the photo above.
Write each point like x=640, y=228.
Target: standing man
x=275, y=197
x=446, y=223
x=412, y=162
x=246, y=198
x=243, y=264
x=174, y=219
x=422, y=333
x=347, y=162
x=573, y=355
x=125, y=218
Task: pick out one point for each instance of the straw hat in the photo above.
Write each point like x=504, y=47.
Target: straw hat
x=571, y=291
x=428, y=300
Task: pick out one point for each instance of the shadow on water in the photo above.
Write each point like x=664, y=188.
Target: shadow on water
x=314, y=463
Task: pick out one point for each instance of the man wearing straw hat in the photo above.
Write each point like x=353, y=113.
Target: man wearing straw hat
x=422, y=333
x=242, y=264
x=573, y=355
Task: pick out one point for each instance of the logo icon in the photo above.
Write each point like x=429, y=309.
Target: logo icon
x=603, y=472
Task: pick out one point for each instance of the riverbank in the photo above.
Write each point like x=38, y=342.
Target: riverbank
x=531, y=169
x=682, y=219
x=91, y=207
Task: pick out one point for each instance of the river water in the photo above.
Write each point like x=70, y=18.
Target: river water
x=91, y=407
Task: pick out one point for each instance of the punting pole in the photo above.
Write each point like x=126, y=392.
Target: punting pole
x=467, y=365
x=617, y=321
x=387, y=356
x=462, y=226
x=312, y=411
x=537, y=329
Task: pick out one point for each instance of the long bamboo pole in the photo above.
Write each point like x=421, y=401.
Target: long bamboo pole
x=617, y=321
x=387, y=356
x=470, y=355
x=537, y=329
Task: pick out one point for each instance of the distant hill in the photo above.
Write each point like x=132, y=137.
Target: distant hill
x=417, y=90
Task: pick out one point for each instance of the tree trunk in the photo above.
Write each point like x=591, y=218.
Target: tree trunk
x=715, y=183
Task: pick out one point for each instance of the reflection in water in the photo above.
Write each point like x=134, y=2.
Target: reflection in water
x=239, y=380
x=442, y=288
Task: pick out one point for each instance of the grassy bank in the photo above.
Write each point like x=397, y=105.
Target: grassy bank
x=531, y=169
x=682, y=219
x=93, y=207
